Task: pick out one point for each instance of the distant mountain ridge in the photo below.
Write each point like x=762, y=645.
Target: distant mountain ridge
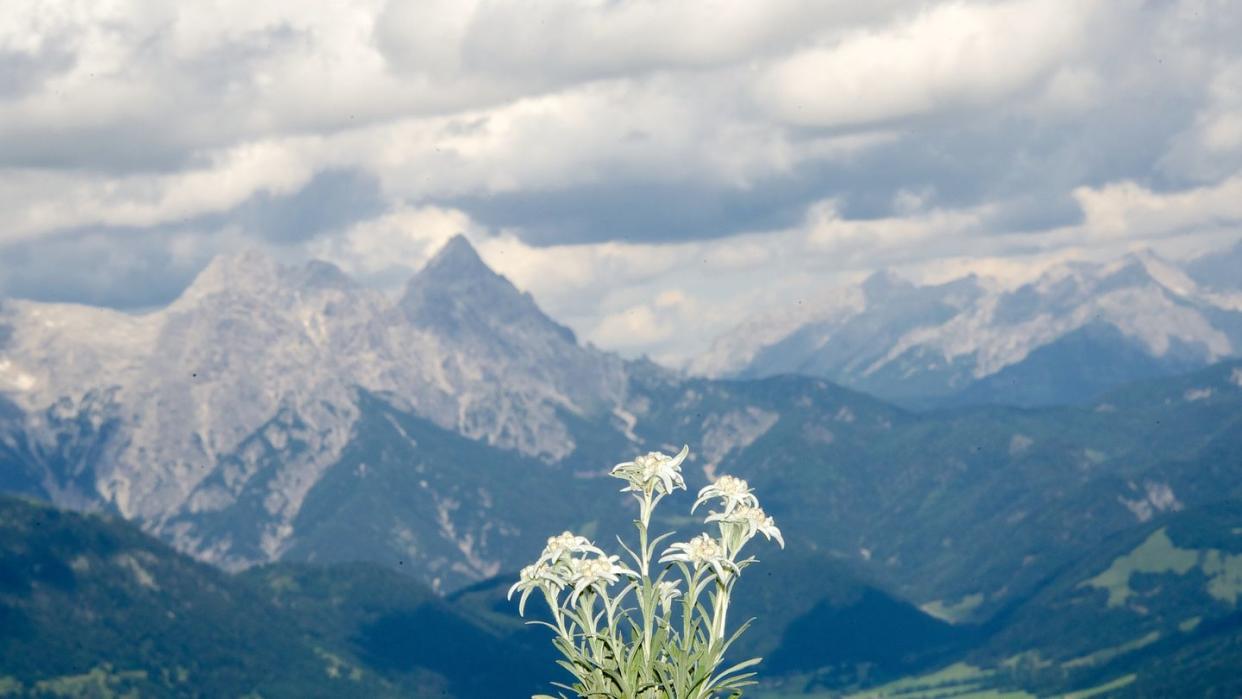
x=1077, y=330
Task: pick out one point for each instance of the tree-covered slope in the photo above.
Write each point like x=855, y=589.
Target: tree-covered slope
x=1162, y=602
x=80, y=593
x=391, y=626
x=977, y=504
x=91, y=606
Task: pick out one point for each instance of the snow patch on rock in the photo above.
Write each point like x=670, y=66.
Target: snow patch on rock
x=732, y=431
x=1155, y=498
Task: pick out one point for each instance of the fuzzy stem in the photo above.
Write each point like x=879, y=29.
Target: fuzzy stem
x=554, y=605
x=644, y=596
x=722, y=609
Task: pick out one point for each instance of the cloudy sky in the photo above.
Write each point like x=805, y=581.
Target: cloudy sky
x=651, y=170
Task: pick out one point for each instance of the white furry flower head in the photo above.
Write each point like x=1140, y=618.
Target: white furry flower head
x=732, y=492
x=666, y=592
x=565, y=544
x=701, y=551
x=538, y=576
x=586, y=573
x=752, y=519
x=653, y=472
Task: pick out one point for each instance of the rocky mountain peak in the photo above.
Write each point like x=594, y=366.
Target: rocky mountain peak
x=458, y=294
x=1144, y=268
x=456, y=260
x=500, y=333
x=253, y=273
x=884, y=284
x=249, y=269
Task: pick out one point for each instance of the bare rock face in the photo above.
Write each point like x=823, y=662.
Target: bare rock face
x=518, y=366
x=247, y=387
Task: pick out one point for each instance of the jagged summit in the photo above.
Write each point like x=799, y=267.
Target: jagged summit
x=253, y=272
x=1145, y=267
x=457, y=293
x=459, y=299
x=457, y=258
x=456, y=272
x=247, y=269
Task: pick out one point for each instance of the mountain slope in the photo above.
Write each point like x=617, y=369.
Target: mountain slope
x=1151, y=611
x=410, y=494
x=1075, y=368
x=519, y=365
x=399, y=630
x=818, y=623
x=91, y=602
x=978, y=504
x=1159, y=580
x=238, y=398
x=81, y=594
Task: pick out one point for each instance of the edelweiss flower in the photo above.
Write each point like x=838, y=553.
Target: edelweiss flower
x=666, y=592
x=731, y=490
x=534, y=577
x=700, y=551
x=565, y=544
x=753, y=518
x=653, y=472
x=595, y=572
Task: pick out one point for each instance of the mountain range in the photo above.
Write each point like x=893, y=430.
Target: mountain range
x=285, y=413
x=213, y=421
x=1077, y=330
x=283, y=416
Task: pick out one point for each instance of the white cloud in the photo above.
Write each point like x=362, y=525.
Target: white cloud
x=1211, y=147
x=561, y=41
x=600, y=132
x=952, y=56
x=633, y=329
x=1129, y=210
x=859, y=240
x=39, y=200
x=580, y=275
